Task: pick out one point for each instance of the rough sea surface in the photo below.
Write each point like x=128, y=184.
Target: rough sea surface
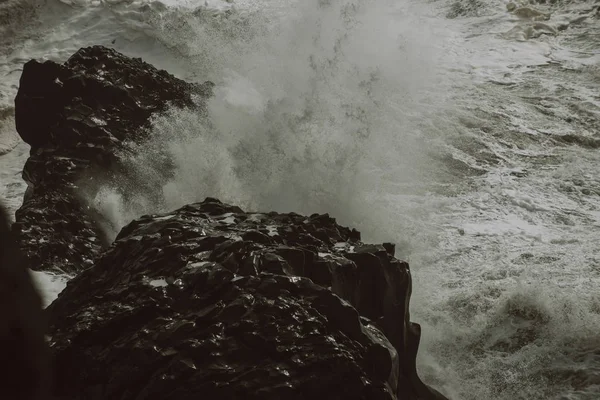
x=465, y=133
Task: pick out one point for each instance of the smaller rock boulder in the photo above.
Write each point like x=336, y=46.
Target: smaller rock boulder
x=81, y=118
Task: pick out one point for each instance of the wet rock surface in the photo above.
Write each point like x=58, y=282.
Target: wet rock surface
x=206, y=301
x=210, y=300
x=80, y=118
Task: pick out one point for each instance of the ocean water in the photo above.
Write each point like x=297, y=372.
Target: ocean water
x=462, y=131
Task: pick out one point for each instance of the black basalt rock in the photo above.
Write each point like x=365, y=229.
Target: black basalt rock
x=79, y=118
x=207, y=301
x=210, y=300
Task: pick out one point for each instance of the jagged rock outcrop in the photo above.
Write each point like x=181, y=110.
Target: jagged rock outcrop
x=207, y=301
x=78, y=117
x=215, y=302
x=24, y=355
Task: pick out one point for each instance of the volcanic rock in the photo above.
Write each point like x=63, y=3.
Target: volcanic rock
x=79, y=117
x=207, y=301
x=216, y=302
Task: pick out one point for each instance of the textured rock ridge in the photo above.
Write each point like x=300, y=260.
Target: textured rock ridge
x=210, y=299
x=78, y=117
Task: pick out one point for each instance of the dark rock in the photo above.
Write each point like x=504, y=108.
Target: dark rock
x=23, y=351
x=79, y=118
x=200, y=302
x=206, y=301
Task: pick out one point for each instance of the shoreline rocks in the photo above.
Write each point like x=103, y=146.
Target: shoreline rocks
x=210, y=299
x=78, y=117
x=207, y=300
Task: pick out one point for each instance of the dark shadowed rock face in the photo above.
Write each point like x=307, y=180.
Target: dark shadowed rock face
x=78, y=117
x=214, y=302
x=24, y=356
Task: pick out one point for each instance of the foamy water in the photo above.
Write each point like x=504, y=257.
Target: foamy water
x=465, y=133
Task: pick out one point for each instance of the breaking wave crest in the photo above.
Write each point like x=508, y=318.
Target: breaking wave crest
x=530, y=342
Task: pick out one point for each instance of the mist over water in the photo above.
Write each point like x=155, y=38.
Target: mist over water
x=319, y=111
